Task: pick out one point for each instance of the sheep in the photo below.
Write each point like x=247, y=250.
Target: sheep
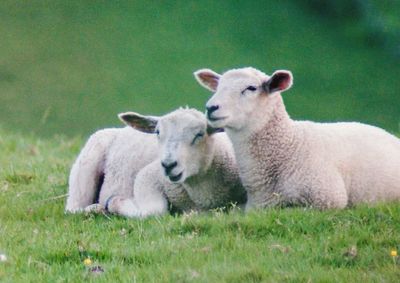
x=103, y=166
x=174, y=162
x=283, y=162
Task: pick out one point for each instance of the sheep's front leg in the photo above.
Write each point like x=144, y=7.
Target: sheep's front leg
x=123, y=206
x=148, y=196
x=140, y=207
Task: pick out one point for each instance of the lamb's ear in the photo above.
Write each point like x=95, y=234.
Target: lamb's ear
x=211, y=130
x=207, y=78
x=279, y=81
x=146, y=124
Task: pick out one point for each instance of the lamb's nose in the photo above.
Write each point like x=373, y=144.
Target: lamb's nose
x=211, y=109
x=168, y=166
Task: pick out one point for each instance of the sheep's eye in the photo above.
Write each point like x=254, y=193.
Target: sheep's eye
x=250, y=88
x=157, y=132
x=197, y=137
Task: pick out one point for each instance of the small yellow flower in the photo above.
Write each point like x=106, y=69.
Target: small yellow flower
x=393, y=253
x=87, y=261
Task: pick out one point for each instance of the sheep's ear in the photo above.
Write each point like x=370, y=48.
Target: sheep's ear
x=207, y=78
x=146, y=124
x=211, y=130
x=279, y=81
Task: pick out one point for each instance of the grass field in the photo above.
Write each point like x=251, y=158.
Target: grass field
x=278, y=245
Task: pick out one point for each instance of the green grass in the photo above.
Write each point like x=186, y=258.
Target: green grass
x=277, y=245
x=70, y=66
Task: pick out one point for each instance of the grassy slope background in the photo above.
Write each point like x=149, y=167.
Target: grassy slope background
x=68, y=67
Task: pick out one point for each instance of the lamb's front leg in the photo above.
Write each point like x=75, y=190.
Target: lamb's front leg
x=129, y=207
x=148, y=196
x=122, y=206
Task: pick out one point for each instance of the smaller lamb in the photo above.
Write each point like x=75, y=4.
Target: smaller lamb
x=287, y=162
x=172, y=162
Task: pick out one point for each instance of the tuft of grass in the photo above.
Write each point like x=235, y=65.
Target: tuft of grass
x=42, y=244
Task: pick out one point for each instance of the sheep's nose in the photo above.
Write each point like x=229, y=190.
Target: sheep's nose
x=168, y=166
x=211, y=109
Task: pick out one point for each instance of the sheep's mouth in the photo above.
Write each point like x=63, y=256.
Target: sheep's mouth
x=215, y=119
x=175, y=178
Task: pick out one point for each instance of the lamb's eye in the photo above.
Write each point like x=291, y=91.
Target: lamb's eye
x=197, y=137
x=250, y=88
x=157, y=132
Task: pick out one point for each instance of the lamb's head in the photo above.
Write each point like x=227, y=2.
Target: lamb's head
x=185, y=142
x=242, y=96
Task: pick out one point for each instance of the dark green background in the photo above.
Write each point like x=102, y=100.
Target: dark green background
x=68, y=67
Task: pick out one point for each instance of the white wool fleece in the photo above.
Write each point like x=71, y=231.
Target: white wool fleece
x=174, y=161
x=286, y=162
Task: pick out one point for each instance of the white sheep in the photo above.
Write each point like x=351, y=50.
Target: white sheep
x=104, y=167
x=197, y=159
x=287, y=162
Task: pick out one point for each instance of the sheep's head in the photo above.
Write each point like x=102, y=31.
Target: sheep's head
x=242, y=96
x=184, y=140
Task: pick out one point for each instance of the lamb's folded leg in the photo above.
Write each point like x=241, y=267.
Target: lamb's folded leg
x=148, y=195
x=122, y=206
x=153, y=204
